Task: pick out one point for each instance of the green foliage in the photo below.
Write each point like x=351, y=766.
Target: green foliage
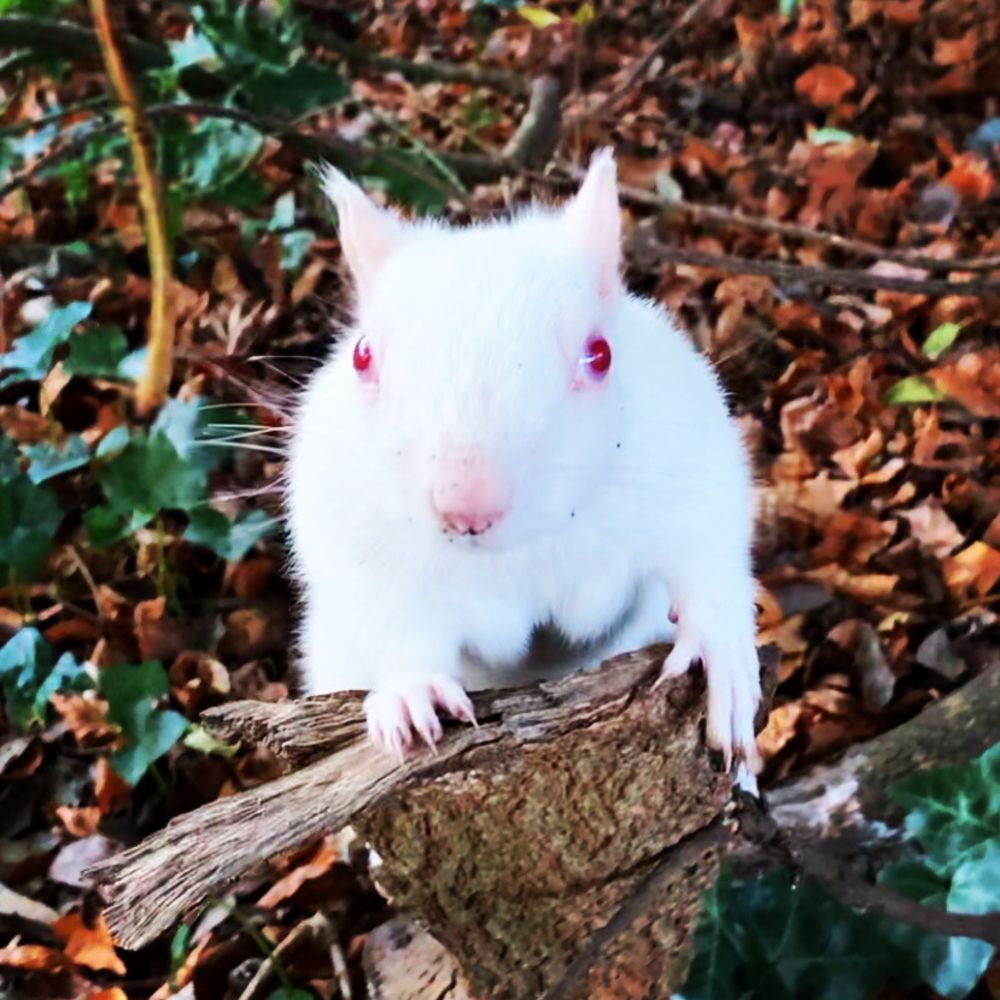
x=953, y=817
x=229, y=539
x=142, y=479
x=50, y=460
x=32, y=353
x=940, y=339
x=913, y=389
x=133, y=694
x=30, y=674
x=98, y=353
x=777, y=938
x=29, y=516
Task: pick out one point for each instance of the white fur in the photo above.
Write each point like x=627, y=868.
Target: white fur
x=634, y=491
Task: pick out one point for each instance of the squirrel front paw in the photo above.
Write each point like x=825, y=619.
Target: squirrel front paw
x=733, y=672
x=394, y=712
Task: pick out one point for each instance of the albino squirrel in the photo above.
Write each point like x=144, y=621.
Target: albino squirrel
x=506, y=439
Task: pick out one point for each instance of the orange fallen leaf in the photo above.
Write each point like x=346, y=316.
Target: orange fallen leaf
x=971, y=177
x=824, y=85
x=973, y=380
x=976, y=567
x=783, y=724
x=868, y=587
x=90, y=947
x=953, y=51
x=318, y=865
x=81, y=822
x=110, y=789
x=33, y=958
x=85, y=717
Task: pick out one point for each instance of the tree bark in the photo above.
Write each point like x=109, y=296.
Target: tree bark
x=557, y=850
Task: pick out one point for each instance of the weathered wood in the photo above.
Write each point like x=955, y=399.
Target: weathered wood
x=152, y=885
x=557, y=850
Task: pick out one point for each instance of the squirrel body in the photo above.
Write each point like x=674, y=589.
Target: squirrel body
x=507, y=440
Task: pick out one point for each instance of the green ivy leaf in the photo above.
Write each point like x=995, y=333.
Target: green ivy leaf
x=293, y=90
x=229, y=539
x=97, y=352
x=913, y=389
x=940, y=339
x=30, y=674
x=133, y=694
x=775, y=938
x=952, y=811
x=29, y=516
x=48, y=460
x=148, y=475
x=10, y=467
x=31, y=356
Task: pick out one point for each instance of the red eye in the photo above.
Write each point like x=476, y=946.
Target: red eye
x=363, y=358
x=596, y=356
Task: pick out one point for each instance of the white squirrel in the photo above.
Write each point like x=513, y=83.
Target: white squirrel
x=506, y=439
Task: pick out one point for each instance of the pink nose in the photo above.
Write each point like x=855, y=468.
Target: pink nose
x=468, y=497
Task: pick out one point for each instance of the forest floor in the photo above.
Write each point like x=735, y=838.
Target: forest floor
x=802, y=140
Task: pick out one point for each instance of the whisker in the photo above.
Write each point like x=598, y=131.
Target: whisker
x=241, y=446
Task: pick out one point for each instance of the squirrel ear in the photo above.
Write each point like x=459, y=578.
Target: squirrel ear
x=595, y=221
x=368, y=234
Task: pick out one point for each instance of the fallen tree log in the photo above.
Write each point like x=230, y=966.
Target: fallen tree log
x=557, y=850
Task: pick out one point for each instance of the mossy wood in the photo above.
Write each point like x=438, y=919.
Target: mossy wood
x=557, y=850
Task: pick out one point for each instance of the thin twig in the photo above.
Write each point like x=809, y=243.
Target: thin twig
x=152, y=387
x=34, y=124
x=315, y=926
x=640, y=69
x=880, y=899
x=717, y=215
x=651, y=251
x=53, y=37
x=424, y=71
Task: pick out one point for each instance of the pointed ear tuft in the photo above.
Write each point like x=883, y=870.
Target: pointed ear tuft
x=368, y=234
x=595, y=221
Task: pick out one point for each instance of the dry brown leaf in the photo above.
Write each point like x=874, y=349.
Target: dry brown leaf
x=34, y=957
x=85, y=715
x=784, y=723
x=931, y=526
x=825, y=85
x=79, y=822
x=90, y=947
x=867, y=587
x=110, y=789
x=317, y=866
x=972, y=380
x=971, y=177
x=975, y=568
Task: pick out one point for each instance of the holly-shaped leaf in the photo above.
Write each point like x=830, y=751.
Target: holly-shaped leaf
x=133, y=694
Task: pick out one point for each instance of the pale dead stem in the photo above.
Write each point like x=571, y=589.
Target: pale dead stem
x=155, y=381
